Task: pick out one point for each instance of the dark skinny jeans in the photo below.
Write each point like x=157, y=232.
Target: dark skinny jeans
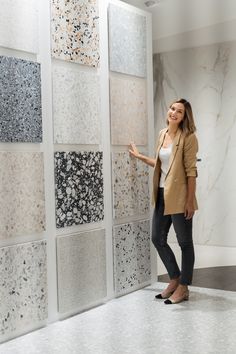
x=183, y=228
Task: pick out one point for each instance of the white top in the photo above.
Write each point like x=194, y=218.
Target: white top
x=164, y=156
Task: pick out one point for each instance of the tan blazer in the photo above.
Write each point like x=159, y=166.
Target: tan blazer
x=182, y=165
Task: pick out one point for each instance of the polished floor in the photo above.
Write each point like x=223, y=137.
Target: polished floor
x=138, y=324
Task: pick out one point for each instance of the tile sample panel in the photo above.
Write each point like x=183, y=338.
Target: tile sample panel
x=127, y=41
x=74, y=28
x=128, y=110
x=132, y=265
x=81, y=260
x=76, y=106
x=130, y=185
x=79, y=188
x=22, y=203
x=20, y=101
x=23, y=290
x=19, y=25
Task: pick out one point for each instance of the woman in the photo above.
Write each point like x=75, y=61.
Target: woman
x=174, y=184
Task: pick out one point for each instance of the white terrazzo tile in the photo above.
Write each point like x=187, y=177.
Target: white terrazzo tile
x=76, y=106
x=81, y=260
x=19, y=25
x=127, y=41
x=22, y=206
x=23, y=290
x=131, y=247
x=130, y=186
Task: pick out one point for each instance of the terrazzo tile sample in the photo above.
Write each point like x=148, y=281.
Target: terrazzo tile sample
x=79, y=188
x=19, y=25
x=128, y=105
x=22, y=202
x=127, y=41
x=23, y=290
x=132, y=265
x=130, y=186
x=81, y=260
x=75, y=31
x=76, y=106
x=20, y=101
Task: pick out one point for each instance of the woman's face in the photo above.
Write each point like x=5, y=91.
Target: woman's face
x=175, y=114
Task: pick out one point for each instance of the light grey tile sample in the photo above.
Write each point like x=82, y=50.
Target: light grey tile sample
x=23, y=289
x=20, y=101
x=22, y=199
x=19, y=25
x=76, y=106
x=127, y=41
x=79, y=188
x=132, y=265
x=75, y=31
x=130, y=185
x=81, y=260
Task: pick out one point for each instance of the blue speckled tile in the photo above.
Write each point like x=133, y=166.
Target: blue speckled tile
x=20, y=101
x=23, y=290
x=81, y=261
x=75, y=31
x=79, y=188
x=127, y=41
x=130, y=185
x=132, y=264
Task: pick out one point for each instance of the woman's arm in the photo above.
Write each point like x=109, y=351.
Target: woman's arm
x=189, y=206
x=135, y=153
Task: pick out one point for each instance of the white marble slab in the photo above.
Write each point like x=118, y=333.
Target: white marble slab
x=128, y=105
x=81, y=262
x=19, y=25
x=23, y=290
x=206, y=76
x=127, y=41
x=76, y=106
x=22, y=201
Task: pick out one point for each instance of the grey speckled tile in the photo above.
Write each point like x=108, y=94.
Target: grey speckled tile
x=20, y=101
x=76, y=106
x=23, y=290
x=132, y=265
x=81, y=260
x=22, y=200
x=130, y=185
x=75, y=32
x=128, y=110
x=79, y=188
x=19, y=25
x=127, y=41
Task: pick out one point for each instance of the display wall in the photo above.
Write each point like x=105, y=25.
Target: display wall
x=75, y=207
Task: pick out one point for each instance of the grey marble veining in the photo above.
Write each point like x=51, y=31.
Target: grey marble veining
x=81, y=268
x=23, y=290
x=20, y=101
x=131, y=247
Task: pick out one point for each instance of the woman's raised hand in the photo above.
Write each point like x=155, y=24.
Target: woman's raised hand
x=133, y=150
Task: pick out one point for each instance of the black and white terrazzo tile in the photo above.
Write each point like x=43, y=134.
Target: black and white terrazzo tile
x=20, y=101
x=79, y=188
x=131, y=246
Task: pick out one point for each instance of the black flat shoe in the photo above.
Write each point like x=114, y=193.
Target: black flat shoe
x=160, y=297
x=184, y=297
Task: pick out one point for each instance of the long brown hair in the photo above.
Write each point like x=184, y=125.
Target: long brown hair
x=187, y=125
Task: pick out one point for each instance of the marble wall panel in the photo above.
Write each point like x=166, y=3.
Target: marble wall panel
x=20, y=101
x=128, y=104
x=75, y=31
x=130, y=185
x=23, y=291
x=22, y=203
x=79, y=188
x=206, y=76
x=132, y=266
x=19, y=25
x=76, y=106
x=81, y=261
x=127, y=41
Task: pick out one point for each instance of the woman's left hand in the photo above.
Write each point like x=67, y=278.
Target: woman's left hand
x=188, y=210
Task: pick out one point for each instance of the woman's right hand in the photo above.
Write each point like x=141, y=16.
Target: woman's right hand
x=133, y=150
